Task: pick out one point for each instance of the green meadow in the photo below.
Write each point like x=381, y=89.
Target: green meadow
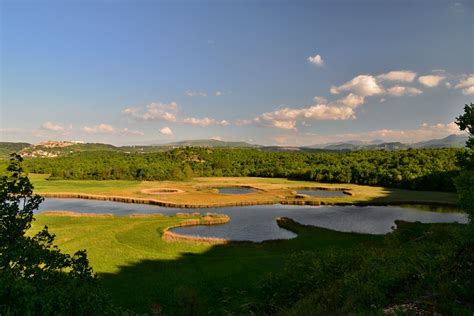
x=138, y=268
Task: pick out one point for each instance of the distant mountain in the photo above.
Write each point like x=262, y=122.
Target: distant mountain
x=450, y=141
x=210, y=143
x=348, y=145
x=53, y=149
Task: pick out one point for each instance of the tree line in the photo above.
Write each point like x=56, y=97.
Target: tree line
x=427, y=169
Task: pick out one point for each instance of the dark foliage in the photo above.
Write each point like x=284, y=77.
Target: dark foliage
x=36, y=278
x=465, y=159
x=424, y=169
x=428, y=267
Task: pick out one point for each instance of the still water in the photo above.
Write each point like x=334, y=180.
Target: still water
x=257, y=223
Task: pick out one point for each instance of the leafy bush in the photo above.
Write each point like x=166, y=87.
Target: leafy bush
x=428, y=266
x=36, y=278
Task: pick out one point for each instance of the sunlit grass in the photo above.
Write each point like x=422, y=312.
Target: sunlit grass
x=139, y=268
x=200, y=191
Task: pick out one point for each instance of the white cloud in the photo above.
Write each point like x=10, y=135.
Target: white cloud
x=467, y=85
x=351, y=100
x=363, y=85
x=382, y=100
x=399, y=91
x=54, y=127
x=287, y=118
x=316, y=60
x=99, y=129
x=168, y=112
x=431, y=81
x=191, y=93
x=320, y=100
x=203, y=122
x=166, y=131
x=398, y=75
x=468, y=90
x=155, y=111
x=129, y=132
x=216, y=138
x=218, y=93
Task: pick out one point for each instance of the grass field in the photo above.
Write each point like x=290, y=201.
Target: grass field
x=200, y=192
x=139, y=268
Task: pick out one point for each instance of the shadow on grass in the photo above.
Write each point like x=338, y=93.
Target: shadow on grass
x=226, y=277
x=221, y=279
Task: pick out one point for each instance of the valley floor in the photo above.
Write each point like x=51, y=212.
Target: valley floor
x=202, y=192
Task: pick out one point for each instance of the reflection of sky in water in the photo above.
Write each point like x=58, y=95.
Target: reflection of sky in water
x=323, y=193
x=258, y=222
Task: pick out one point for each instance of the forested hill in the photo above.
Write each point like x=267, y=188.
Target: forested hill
x=6, y=148
x=51, y=149
x=427, y=169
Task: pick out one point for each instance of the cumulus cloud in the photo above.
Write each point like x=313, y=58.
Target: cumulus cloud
x=166, y=131
x=399, y=91
x=431, y=81
x=320, y=100
x=363, y=85
x=316, y=60
x=351, y=100
x=129, y=132
x=398, y=75
x=99, y=129
x=168, y=112
x=287, y=118
x=203, y=122
x=191, y=93
x=467, y=85
x=155, y=111
x=54, y=127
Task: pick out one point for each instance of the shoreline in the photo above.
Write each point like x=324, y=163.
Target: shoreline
x=132, y=200
x=210, y=219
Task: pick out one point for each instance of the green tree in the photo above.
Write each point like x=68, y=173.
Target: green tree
x=466, y=123
x=465, y=181
x=35, y=276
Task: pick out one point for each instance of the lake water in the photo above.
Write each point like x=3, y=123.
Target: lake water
x=236, y=190
x=322, y=193
x=258, y=223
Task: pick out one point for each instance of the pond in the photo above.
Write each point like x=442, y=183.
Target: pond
x=235, y=190
x=321, y=193
x=258, y=223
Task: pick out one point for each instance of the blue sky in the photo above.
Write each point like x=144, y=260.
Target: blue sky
x=267, y=72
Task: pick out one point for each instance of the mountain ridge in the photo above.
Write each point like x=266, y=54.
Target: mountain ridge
x=53, y=149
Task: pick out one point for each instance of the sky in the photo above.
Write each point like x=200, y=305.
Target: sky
x=266, y=72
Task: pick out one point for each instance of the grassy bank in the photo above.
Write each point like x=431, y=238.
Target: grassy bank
x=201, y=192
x=139, y=268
